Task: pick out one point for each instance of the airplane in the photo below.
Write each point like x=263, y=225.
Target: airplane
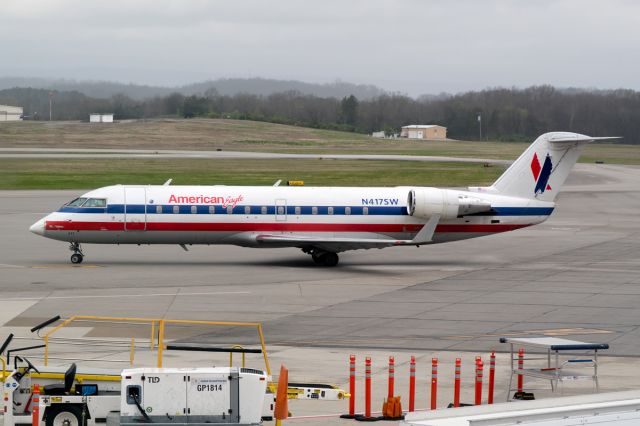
x=321, y=221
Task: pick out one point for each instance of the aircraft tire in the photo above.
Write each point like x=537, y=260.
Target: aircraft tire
x=76, y=258
x=330, y=259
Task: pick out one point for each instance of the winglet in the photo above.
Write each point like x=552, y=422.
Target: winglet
x=426, y=233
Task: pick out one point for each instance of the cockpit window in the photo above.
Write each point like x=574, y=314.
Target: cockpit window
x=95, y=202
x=76, y=203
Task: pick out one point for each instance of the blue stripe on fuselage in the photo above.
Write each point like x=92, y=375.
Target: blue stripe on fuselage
x=291, y=210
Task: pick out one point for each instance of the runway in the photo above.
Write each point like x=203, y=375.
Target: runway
x=78, y=153
x=577, y=275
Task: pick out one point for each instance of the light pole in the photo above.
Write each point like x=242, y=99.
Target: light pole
x=480, y=124
x=50, y=98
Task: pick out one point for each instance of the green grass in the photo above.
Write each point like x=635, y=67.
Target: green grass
x=92, y=173
x=242, y=135
x=237, y=135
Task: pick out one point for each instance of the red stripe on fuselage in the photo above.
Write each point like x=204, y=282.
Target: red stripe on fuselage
x=276, y=227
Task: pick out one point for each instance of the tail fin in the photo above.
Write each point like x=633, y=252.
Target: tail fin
x=542, y=169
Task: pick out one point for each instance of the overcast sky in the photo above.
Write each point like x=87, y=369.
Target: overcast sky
x=410, y=46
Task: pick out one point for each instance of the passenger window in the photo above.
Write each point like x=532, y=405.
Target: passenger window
x=330, y=210
x=347, y=210
x=76, y=203
x=314, y=210
x=297, y=210
x=263, y=210
x=159, y=209
x=280, y=209
x=212, y=209
x=176, y=209
x=365, y=210
x=229, y=210
x=95, y=202
x=194, y=209
x=247, y=210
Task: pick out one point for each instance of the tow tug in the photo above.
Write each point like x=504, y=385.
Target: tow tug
x=78, y=396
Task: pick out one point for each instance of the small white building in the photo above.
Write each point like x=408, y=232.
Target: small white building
x=10, y=113
x=424, y=131
x=380, y=135
x=101, y=118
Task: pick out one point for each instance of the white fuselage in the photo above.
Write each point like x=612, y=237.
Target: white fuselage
x=238, y=214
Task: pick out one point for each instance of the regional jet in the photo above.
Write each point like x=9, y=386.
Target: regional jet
x=321, y=221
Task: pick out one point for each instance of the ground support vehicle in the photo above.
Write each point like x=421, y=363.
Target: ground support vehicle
x=94, y=390
x=194, y=396
x=218, y=395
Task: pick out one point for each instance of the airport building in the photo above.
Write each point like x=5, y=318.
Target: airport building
x=424, y=131
x=101, y=118
x=10, y=113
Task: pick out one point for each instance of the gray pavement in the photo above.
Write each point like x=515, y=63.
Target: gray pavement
x=70, y=153
x=576, y=272
x=576, y=276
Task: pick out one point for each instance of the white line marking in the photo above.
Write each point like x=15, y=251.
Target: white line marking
x=6, y=265
x=106, y=296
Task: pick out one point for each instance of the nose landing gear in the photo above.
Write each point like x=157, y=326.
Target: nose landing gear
x=77, y=255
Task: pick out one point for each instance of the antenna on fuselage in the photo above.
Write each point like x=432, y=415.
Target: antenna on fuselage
x=277, y=182
x=167, y=183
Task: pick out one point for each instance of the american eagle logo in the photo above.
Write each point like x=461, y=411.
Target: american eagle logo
x=542, y=173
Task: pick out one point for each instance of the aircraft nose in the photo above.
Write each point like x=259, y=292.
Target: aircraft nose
x=38, y=227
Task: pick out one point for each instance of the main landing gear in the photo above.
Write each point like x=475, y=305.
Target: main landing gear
x=324, y=258
x=77, y=255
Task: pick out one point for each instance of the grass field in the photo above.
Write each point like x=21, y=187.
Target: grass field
x=236, y=135
x=239, y=135
x=75, y=174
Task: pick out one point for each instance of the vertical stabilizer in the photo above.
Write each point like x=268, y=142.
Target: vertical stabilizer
x=543, y=168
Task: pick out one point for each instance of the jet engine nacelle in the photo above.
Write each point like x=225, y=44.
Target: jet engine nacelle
x=426, y=202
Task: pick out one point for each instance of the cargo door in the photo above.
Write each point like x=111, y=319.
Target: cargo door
x=281, y=210
x=135, y=209
x=212, y=398
x=164, y=397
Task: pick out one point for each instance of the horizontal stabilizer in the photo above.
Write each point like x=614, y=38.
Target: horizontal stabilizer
x=580, y=138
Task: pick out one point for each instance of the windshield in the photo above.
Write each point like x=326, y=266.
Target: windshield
x=95, y=202
x=76, y=203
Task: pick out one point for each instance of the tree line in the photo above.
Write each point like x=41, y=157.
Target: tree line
x=506, y=114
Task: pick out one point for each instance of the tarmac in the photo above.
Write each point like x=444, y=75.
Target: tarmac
x=575, y=276
x=105, y=153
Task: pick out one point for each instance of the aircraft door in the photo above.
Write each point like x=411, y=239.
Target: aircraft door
x=281, y=210
x=135, y=209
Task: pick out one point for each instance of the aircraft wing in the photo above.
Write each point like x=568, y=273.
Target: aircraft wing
x=333, y=244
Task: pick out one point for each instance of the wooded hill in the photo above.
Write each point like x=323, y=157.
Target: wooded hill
x=507, y=114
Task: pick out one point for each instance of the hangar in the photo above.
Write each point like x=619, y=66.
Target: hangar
x=424, y=131
x=10, y=113
x=101, y=118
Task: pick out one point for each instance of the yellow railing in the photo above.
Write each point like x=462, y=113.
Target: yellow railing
x=162, y=326
x=4, y=368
